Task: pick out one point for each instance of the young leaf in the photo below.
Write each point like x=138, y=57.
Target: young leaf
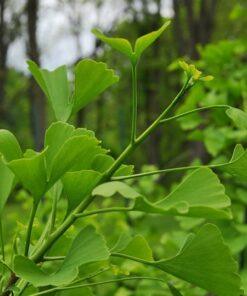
x=56, y=88
x=31, y=172
x=77, y=185
x=145, y=41
x=87, y=247
x=110, y=188
x=238, y=116
x=91, y=79
x=120, y=44
x=124, y=46
x=9, y=146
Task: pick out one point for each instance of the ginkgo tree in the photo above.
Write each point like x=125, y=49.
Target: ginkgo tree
x=74, y=165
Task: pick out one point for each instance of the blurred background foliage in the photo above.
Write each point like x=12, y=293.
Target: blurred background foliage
x=210, y=33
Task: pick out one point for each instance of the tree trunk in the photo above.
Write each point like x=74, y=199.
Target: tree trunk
x=37, y=103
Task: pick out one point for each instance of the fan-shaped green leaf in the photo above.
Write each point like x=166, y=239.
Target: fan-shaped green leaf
x=57, y=134
x=199, y=195
x=56, y=88
x=110, y=188
x=91, y=79
x=73, y=153
x=206, y=262
x=77, y=185
x=29, y=271
x=87, y=247
x=31, y=172
x=9, y=146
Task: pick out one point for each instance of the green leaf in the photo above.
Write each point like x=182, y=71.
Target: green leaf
x=237, y=165
x=56, y=88
x=120, y=44
x=31, y=172
x=74, y=153
x=56, y=135
x=200, y=194
x=29, y=271
x=6, y=184
x=238, y=116
x=87, y=247
x=91, y=79
x=135, y=247
x=205, y=261
x=145, y=41
x=110, y=188
x=77, y=185
x=124, y=46
x=9, y=146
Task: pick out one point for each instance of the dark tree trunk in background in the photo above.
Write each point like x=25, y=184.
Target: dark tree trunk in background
x=200, y=21
x=3, y=57
x=200, y=26
x=37, y=102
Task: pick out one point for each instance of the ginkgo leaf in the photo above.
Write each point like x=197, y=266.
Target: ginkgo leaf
x=87, y=247
x=123, y=45
x=77, y=185
x=57, y=134
x=110, y=188
x=201, y=191
x=91, y=79
x=29, y=271
x=6, y=183
x=134, y=247
x=73, y=153
x=208, y=199
x=145, y=41
x=120, y=44
x=56, y=88
x=238, y=116
x=237, y=165
x=204, y=260
x=31, y=172
x=9, y=146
